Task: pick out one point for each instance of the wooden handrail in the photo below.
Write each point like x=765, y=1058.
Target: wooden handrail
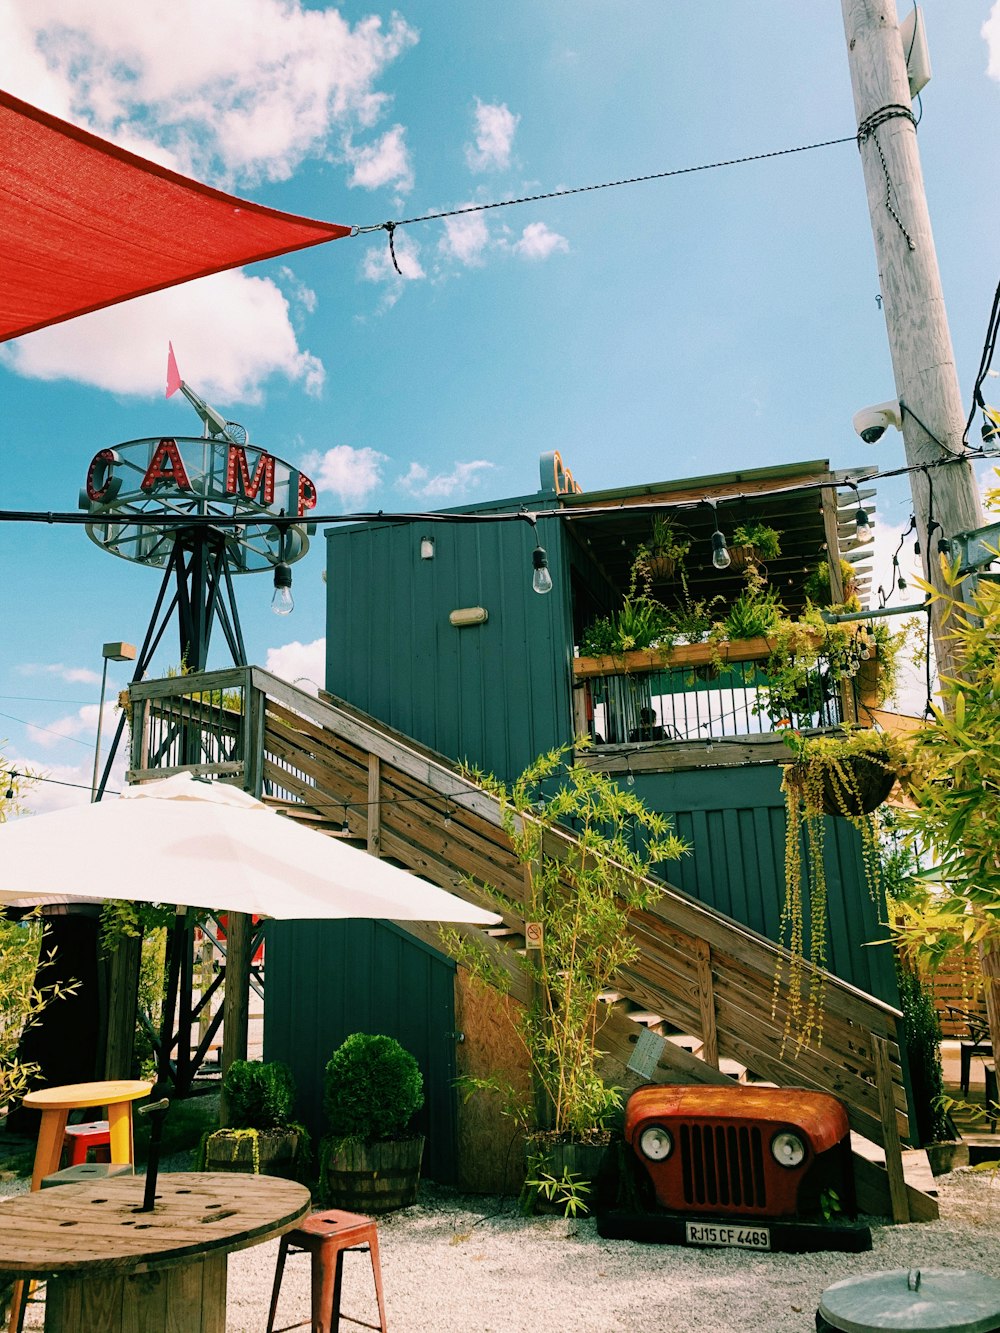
x=704, y=972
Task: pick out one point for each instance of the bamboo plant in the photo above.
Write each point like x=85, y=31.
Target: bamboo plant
x=581, y=894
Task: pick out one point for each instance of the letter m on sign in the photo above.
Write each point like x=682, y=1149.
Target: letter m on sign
x=239, y=482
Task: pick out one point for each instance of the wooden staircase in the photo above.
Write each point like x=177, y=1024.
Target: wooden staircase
x=698, y=973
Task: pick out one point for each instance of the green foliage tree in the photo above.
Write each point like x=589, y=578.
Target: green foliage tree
x=955, y=789
x=582, y=892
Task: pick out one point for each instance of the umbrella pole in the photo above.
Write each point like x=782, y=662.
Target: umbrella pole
x=177, y=941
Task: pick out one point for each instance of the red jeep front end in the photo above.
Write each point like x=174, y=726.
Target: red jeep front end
x=777, y=1160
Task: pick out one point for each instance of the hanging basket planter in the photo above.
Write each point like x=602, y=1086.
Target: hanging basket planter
x=741, y=556
x=857, y=786
x=662, y=567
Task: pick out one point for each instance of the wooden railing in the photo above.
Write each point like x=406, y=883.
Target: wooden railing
x=707, y=975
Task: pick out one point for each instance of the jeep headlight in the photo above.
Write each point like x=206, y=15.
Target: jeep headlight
x=787, y=1149
x=656, y=1143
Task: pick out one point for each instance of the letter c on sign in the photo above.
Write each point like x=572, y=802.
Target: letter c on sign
x=99, y=473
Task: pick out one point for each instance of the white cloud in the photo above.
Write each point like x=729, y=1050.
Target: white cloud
x=538, y=242
x=74, y=725
x=385, y=162
x=350, y=473
x=495, y=126
x=238, y=88
x=991, y=35
x=72, y=675
x=462, y=477
x=465, y=237
x=304, y=664
x=124, y=348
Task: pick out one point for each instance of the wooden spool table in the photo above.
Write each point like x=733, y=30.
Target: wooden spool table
x=115, y=1268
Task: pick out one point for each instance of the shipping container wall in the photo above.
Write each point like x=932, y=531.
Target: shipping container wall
x=734, y=821
x=495, y=694
x=327, y=979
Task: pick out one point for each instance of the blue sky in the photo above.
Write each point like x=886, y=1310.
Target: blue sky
x=666, y=329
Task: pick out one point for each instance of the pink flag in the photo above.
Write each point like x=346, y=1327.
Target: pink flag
x=173, y=374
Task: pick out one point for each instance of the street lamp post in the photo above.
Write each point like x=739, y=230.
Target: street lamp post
x=111, y=652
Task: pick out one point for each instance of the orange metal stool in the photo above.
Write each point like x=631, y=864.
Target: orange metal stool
x=327, y=1236
x=78, y=1138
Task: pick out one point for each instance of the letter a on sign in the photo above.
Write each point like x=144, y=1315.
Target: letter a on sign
x=166, y=452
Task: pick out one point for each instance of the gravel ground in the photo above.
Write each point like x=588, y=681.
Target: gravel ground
x=469, y=1264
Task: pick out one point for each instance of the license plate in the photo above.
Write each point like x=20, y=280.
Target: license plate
x=738, y=1237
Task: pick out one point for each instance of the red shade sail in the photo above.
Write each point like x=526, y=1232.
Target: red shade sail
x=84, y=224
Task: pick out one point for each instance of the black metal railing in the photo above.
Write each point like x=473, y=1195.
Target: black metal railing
x=683, y=703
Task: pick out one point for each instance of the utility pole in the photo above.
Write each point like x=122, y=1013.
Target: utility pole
x=922, y=357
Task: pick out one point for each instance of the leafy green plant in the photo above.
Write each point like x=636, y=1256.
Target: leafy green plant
x=765, y=540
x=372, y=1088
x=259, y=1094
x=599, y=638
x=21, y=999
x=955, y=790
x=641, y=622
x=922, y=1033
x=665, y=539
x=817, y=586
x=830, y=1204
x=568, y=1192
x=581, y=892
x=754, y=614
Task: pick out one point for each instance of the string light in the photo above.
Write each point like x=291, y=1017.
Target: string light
x=721, y=558
x=541, y=579
x=862, y=527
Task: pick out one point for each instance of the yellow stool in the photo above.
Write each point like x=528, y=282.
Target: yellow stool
x=55, y=1105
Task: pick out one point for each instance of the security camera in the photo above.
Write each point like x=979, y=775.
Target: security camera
x=870, y=422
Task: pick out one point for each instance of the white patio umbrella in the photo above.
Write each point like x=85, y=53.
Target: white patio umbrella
x=208, y=845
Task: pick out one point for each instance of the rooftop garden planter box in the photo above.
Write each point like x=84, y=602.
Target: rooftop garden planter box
x=682, y=655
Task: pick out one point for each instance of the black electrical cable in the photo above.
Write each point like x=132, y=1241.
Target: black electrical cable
x=224, y=521
x=908, y=411
x=390, y=227
x=986, y=360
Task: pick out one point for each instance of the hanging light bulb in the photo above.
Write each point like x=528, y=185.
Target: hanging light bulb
x=541, y=579
x=345, y=828
x=281, y=601
x=944, y=546
x=721, y=558
x=861, y=524
x=10, y=787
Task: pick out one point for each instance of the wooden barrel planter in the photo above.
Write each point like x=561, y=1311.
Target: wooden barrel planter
x=268, y=1152
x=870, y=784
x=372, y=1177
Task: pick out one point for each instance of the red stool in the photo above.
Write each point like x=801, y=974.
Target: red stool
x=328, y=1236
x=78, y=1138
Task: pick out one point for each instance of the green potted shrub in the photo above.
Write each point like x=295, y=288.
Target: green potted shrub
x=580, y=896
x=262, y=1136
x=370, y=1159
x=754, y=543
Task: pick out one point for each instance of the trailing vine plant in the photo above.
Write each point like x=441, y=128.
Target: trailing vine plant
x=847, y=775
